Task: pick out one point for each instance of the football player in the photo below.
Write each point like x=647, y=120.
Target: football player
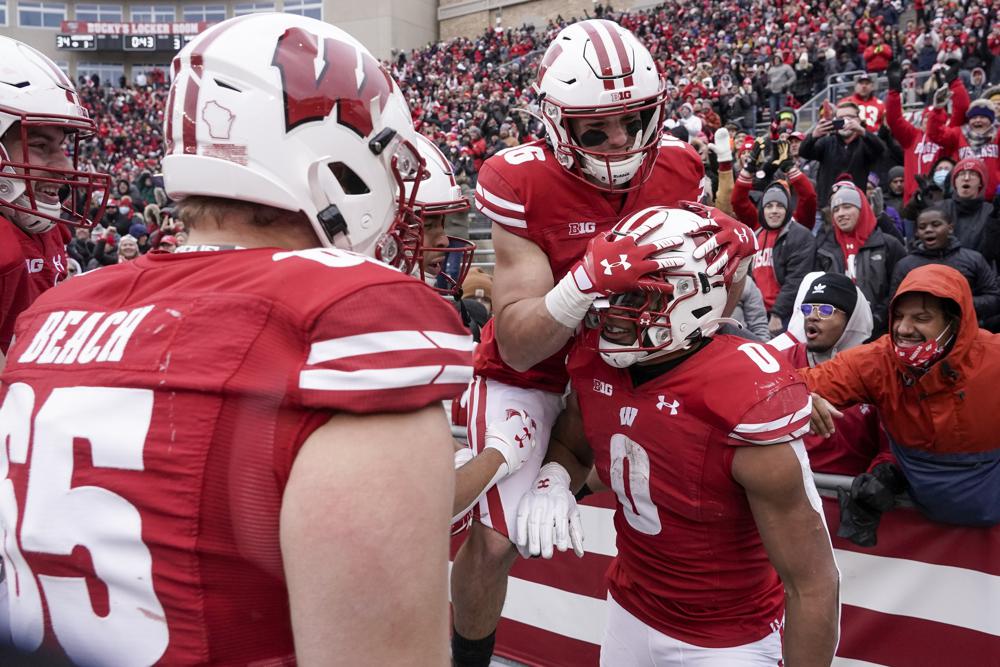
x=261, y=381
x=439, y=196
x=41, y=118
x=723, y=554
x=505, y=451
x=550, y=202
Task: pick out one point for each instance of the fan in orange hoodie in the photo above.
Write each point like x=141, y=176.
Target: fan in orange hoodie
x=934, y=380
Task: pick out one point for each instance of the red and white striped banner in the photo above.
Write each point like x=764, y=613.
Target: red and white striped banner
x=928, y=594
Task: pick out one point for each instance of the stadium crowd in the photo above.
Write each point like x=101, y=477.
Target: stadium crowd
x=725, y=63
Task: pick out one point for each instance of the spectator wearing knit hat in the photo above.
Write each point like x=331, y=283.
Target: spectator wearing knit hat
x=967, y=207
x=892, y=189
x=977, y=138
x=128, y=248
x=139, y=232
x=857, y=248
x=787, y=252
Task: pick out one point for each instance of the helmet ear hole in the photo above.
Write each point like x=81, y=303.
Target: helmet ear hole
x=350, y=182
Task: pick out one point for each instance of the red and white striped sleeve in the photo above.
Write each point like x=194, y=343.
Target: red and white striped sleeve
x=386, y=348
x=498, y=201
x=781, y=417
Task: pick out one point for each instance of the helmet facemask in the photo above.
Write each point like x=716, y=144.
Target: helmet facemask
x=647, y=314
x=619, y=171
x=22, y=183
x=440, y=196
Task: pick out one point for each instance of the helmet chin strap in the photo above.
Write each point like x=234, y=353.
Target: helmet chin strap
x=29, y=222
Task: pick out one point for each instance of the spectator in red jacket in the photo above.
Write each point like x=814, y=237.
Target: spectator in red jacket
x=805, y=194
x=919, y=152
x=878, y=55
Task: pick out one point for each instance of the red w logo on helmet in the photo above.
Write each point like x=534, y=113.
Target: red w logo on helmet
x=318, y=73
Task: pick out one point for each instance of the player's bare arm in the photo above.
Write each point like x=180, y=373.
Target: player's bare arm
x=473, y=478
x=787, y=511
x=547, y=516
x=370, y=581
x=526, y=331
x=569, y=447
x=508, y=446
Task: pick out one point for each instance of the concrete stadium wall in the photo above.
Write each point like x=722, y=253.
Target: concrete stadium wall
x=468, y=18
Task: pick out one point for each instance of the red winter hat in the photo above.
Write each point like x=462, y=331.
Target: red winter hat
x=969, y=164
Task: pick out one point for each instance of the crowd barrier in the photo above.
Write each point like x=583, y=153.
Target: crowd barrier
x=927, y=595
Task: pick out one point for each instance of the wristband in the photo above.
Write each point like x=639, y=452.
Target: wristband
x=566, y=303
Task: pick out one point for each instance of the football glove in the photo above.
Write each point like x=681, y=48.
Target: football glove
x=730, y=248
x=514, y=438
x=548, y=517
x=610, y=265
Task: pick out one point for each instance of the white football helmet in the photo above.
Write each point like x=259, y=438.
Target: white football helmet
x=596, y=69
x=440, y=195
x=294, y=113
x=34, y=94
x=674, y=308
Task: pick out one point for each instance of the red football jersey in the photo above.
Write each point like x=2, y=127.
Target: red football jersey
x=29, y=265
x=871, y=111
x=527, y=192
x=154, y=410
x=690, y=560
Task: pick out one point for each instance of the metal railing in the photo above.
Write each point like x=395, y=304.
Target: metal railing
x=841, y=85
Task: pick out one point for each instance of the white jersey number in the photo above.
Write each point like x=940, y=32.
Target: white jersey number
x=521, y=154
x=630, y=481
x=57, y=517
x=760, y=356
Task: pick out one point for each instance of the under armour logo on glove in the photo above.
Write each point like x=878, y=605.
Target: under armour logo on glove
x=514, y=438
x=619, y=264
x=743, y=235
x=622, y=262
x=543, y=483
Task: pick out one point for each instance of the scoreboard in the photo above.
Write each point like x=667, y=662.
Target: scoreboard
x=103, y=36
x=171, y=43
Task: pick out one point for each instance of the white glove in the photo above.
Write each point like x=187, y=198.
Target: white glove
x=514, y=438
x=547, y=515
x=723, y=151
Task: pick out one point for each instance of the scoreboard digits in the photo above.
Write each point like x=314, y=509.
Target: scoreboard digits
x=139, y=43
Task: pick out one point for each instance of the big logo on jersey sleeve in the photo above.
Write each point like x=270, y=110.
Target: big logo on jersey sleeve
x=342, y=76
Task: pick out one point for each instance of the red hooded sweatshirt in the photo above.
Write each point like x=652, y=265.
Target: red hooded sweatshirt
x=852, y=241
x=920, y=152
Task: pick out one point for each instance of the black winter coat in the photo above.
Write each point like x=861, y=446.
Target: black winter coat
x=982, y=278
x=873, y=269
x=836, y=157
